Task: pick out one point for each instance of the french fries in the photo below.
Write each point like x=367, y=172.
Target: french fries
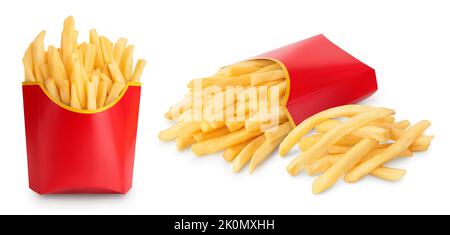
x=360, y=145
x=231, y=121
x=86, y=76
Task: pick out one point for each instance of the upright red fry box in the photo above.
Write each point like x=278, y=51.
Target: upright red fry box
x=80, y=152
x=320, y=76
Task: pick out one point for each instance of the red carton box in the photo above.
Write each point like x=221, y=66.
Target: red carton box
x=320, y=76
x=71, y=151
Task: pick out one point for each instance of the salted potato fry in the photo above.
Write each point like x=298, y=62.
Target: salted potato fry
x=119, y=48
x=138, y=70
x=115, y=72
x=126, y=65
x=267, y=148
x=373, y=132
x=230, y=153
x=65, y=92
x=115, y=92
x=307, y=125
x=185, y=141
x=201, y=136
x=333, y=136
x=247, y=153
x=403, y=143
x=52, y=89
x=278, y=132
x=172, y=132
x=261, y=78
x=389, y=174
x=344, y=164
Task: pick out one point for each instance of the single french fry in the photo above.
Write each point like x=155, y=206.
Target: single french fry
x=89, y=59
x=263, y=152
x=138, y=70
x=80, y=83
x=343, y=165
x=373, y=132
x=107, y=52
x=67, y=42
x=115, y=72
x=230, y=153
x=74, y=100
x=29, y=75
x=116, y=90
x=119, y=48
x=91, y=96
x=389, y=174
x=184, y=142
x=206, y=136
x=278, y=132
x=94, y=39
x=56, y=66
x=38, y=53
x=268, y=68
x=247, y=153
x=240, y=136
x=102, y=94
x=261, y=78
x=322, y=164
x=307, y=125
x=52, y=89
x=172, y=132
x=126, y=65
x=404, y=142
x=108, y=82
x=330, y=138
x=65, y=92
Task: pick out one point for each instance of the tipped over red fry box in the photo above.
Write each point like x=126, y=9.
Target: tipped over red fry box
x=81, y=106
x=321, y=75
x=308, y=77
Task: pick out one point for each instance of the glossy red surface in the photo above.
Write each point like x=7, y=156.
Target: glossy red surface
x=71, y=152
x=322, y=76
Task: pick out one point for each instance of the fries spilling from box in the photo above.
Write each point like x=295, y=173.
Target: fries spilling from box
x=249, y=109
x=81, y=104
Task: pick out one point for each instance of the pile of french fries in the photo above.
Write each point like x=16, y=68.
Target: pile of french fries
x=85, y=76
x=248, y=140
x=351, y=142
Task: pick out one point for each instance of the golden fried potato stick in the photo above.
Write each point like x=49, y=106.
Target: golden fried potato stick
x=102, y=94
x=126, y=65
x=275, y=133
x=373, y=132
x=65, y=92
x=307, y=125
x=349, y=160
x=119, y=48
x=38, y=57
x=261, y=78
x=184, y=142
x=52, y=89
x=80, y=83
x=332, y=137
x=267, y=148
x=115, y=72
x=29, y=75
x=107, y=52
x=199, y=137
x=240, y=136
x=173, y=132
x=247, y=153
x=322, y=164
x=91, y=96
x=94, y=39
x=115, y=92
x=309, y=141
x=404, y=142
x=138, y=71
x=230, y=153
x=74, y=100
x=89, y=58
x=389, y=174
x=57, y=69
x=421, y=144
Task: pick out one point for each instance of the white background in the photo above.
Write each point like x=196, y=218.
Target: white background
x=407, y=42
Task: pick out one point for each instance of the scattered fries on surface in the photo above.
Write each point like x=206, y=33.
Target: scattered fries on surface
x=238, y=110
x=85, y=76
x=361, y=145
